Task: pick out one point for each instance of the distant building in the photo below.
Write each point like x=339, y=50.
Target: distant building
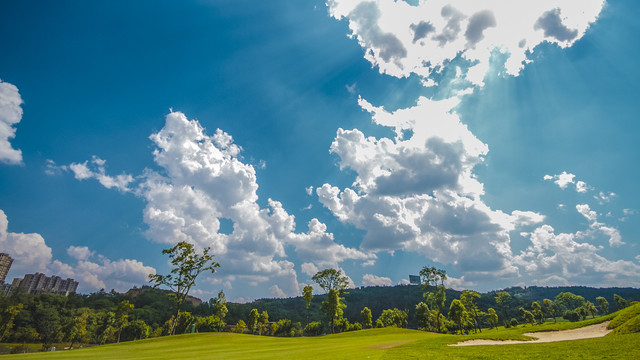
x=414, y=279
x=5, y=265
x=39, y=283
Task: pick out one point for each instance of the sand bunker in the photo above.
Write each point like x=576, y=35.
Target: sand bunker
x=587, y=332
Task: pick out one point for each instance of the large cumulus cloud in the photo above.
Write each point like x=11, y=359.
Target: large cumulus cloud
x=202, y=179
x=403, y=39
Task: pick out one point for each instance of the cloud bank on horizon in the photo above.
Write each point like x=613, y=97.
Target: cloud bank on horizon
x=414, y=192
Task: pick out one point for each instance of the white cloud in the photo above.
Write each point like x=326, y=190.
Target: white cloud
x=369, y=263
x=419, y=193
x=96, y=170
x=615, y=239
x=563, y=258
x=31, y=254
x=582, y=187
x=277, y=292
x=403, y=39
x=374, y=280
x=79, y=252
x=562, y=180
x=589, y=214
x=604, y=197
x=10, y=116
x=309, y=269
x=459, y=283
x=29, y=251
x=203, y=179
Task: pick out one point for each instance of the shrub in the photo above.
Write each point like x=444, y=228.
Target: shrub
x=514, y=322
x=284, y=328
x=571, y=315
x=313, y=329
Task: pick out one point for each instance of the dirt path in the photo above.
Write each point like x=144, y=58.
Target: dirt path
x=587, y=332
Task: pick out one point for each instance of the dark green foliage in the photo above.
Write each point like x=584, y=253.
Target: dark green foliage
x=395, y=317
x=285, y=328
x=313, y=329
x=571, y=315
x=621, y=303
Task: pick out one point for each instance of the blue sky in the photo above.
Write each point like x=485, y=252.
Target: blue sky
x=496, y=142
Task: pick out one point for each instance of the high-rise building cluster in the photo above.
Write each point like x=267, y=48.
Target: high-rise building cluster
x=37, y=283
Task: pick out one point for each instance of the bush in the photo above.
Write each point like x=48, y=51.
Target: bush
x=284, y=328
x=313, y=329
x=514, y=322
x=355, y=327
x=571, y=315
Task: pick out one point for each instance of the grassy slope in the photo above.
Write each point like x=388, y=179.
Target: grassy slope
x=389, y=343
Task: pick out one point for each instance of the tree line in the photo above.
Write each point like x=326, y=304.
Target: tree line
x=101, y=318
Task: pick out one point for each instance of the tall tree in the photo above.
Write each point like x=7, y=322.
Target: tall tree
x=122, y=316
x=7, y=316
x=332, y=281
x=536, y=310
x=367, y=319
x=603, y=304
x=569, y=301
x=423, y=316
x=550, y=308
x=468, y=298
x=621, y=303
x=458, y=314
x=433, y=283
x=252, y=321
x=503, y=299
x=187, y=265
x=307, y=295
x=493, y=317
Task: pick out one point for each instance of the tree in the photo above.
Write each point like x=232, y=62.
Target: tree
x=395, y=317
x=187, y=265
x=331, y=279
x=433, y=282
x=468, y=298
x=589, y=309
x=333, y=282
x=493, y=317
x=423, y=316
x=263, y=322
x=240, y=326
x=252, y=321
x=7, y=316
x=458, y=314
x=122, y=315
x=135, y=330
x=76, y=329
x=621, y=303
x=503, y=299
x=333, y=308
x=536, y=310
x=365, y=314
x=307, y=295
x=550, y=308
x=603, y=304
x=569, y=301
x=48, y=325
x=527, y=315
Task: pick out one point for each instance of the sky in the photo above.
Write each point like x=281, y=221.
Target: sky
x=495, y=141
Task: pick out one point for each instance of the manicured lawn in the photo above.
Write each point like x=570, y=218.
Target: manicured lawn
x=388, y=343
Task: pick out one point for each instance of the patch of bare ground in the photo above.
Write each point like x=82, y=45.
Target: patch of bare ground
x=587, y=332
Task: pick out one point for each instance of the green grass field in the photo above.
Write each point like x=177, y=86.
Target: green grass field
x=386, y=343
